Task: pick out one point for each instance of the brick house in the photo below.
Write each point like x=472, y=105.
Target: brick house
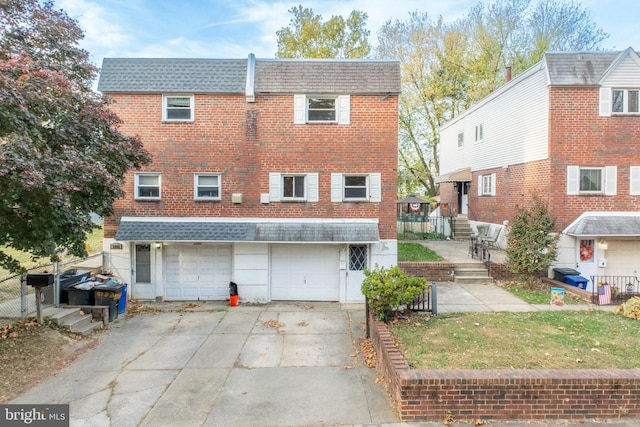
x=278, y=175
x=567, y=129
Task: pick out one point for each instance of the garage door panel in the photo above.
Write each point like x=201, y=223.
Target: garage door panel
x=305, y=272
x=197, y=272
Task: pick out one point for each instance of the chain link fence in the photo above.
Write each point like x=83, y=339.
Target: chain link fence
x=17, y=300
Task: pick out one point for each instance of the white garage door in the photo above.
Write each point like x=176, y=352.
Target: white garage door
x=305, y=273
x=197, y=272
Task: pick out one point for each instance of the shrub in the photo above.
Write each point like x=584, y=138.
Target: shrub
x=388, y=289
x=630, y=309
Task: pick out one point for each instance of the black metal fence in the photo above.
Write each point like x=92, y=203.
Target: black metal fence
x=17, y=300
x=427, y=301
x=614, y=289
x=479, y=249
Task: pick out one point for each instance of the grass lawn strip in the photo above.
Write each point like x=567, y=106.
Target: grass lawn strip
x=533, y=340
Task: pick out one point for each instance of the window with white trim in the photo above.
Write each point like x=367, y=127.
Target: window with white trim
x=460, y=140
x=206, y=186
x=293, y=187
x=355, y=187
x=147, y=186
x=177, y=108
x=592, y=180
x=479, y=132
x=487, y=185
x=321, y=109
x=625, y=101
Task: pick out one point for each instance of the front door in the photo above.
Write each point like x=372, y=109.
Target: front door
x=357, y=262
x=587, y=256
x=142, y=288
x=464, y=197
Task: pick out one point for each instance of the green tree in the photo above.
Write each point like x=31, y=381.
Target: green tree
x=62, y=156
x=531, y=241
x=308, y=37
x=446, y=67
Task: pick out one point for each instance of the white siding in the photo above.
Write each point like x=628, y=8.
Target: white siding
x=625, y=75
x=515, y=132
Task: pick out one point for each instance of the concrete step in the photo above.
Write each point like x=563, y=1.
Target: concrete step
x=76, y=319
x=474, y=272
x=473, y=280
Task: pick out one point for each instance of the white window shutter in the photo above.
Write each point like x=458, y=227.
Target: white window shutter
x=274, y=187
x=573, y=180
x=375, y=187
x=299, y=109
x=480, y=185
x=336, y=187
x=312, y=187
x=610, y=180
x=634, y=185
x=493, y=184
x=344, y=107
x=605, y=101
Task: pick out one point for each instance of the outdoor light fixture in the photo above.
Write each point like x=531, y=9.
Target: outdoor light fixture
x=158, y=245
x=604, y=245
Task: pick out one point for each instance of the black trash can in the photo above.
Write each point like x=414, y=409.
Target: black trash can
x=560, y=273
x=109, y=295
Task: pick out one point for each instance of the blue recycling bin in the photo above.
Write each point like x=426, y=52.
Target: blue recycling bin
x=577, y=281
x=122, y=304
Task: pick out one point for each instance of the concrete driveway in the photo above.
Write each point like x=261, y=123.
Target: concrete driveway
x=278, y=364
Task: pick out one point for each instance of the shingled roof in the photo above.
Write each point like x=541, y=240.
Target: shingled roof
x=144, y=75
x=578, y=68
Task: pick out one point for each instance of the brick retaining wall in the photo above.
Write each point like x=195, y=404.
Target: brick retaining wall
x=515, y=394
x=432, y=271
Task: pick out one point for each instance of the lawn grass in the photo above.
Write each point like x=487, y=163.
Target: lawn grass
x=539, y=294
x=94, y=240
x=416, y=252
x=553, y=339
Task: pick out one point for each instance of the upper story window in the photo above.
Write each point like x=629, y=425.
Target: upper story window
x=355, y=187
x=592, y=180
x=301, y=187
x=625, y=101
x=293, y=187
x=479, y=132
x=177, y=108
x=322, y=109
x=487, y=185
x=147, y=186
x=207, y=186
x=460, y=139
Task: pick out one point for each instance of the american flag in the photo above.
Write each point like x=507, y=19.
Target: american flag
x=604, y=294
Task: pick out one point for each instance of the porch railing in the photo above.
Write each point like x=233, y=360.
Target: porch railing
x=479, y=249
x=621, y=289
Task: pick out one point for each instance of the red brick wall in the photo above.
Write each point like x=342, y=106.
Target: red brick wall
x=514, y=394
x=245, y=142
x=580, y=137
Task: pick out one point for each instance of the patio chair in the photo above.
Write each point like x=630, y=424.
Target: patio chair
x=491, y=239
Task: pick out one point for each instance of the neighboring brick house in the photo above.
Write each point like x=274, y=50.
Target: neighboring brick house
x=278, y=175
x=567, y=129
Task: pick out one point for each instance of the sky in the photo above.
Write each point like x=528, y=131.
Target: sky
x=235, y=28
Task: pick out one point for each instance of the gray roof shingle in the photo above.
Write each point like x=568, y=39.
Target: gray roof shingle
x=578, y=68
x=601, y=225
x=328, y=76
x=203, y=231
x=143, y=75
